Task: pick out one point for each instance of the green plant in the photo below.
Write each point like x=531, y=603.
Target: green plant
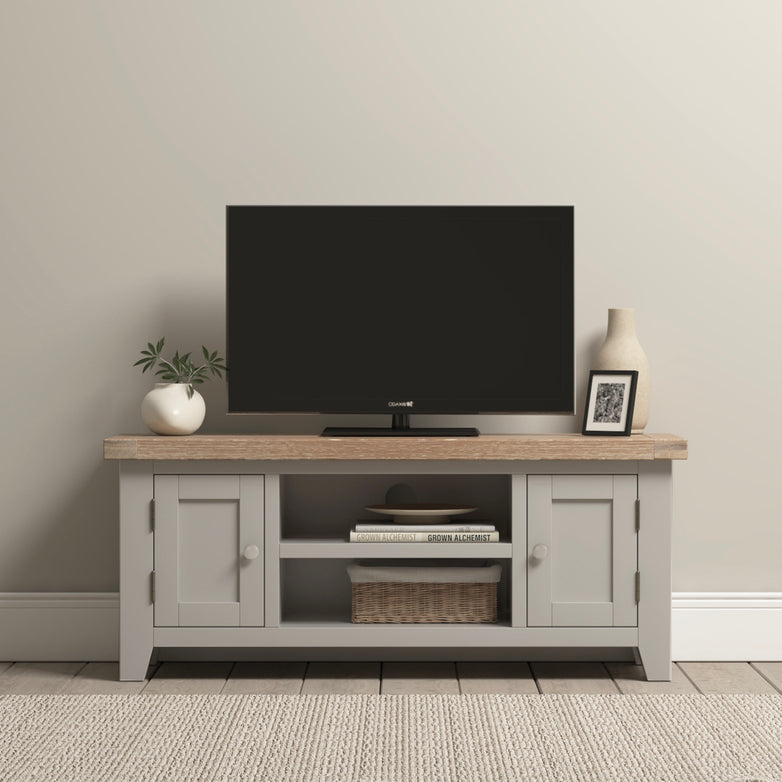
x=181, y=369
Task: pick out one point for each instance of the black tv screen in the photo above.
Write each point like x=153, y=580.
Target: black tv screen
x=389, y=309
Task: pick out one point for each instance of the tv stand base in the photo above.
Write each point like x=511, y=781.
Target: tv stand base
x=422, y=431
x=400, y=427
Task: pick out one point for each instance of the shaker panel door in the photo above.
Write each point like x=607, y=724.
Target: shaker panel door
x=209, y=550
x=582, y=550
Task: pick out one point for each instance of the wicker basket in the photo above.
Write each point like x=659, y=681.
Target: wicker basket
x=424, y=595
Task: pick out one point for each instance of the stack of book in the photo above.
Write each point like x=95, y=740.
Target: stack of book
x=391, y=532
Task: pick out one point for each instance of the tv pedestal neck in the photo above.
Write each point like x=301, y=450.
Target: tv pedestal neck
x=238, y=545
x=400, y=427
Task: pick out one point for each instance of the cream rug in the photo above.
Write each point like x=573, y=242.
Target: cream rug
x=390, y=738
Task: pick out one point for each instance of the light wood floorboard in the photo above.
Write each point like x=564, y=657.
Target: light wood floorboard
x=188, y=678
x=573, y=678
x=38, y=678
x=273, y=678
x=358, y=678
x=726, y=678
x=631, y=680
x=366, y=677
x=102, y=679
x=420, y=678
x=506, y=678
x=771, y=671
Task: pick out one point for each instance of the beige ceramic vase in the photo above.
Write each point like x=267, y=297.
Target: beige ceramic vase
x=622, y=350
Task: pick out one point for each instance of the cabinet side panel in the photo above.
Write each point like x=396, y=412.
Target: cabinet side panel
x=136, y=491
x=538, y=533
x=518, y=575
x=272, y=513
x=654, y=563
x=166, y=550
x=625, y=550
x=251, y=534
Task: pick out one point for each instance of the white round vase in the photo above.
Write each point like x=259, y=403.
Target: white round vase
x=622, y=350
x=166, y=409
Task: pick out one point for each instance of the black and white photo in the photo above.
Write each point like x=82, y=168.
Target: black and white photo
x=610, y=402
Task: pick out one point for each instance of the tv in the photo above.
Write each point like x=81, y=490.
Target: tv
x=436, y=310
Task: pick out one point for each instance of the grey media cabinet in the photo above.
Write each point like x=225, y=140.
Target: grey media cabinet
x=241, y=541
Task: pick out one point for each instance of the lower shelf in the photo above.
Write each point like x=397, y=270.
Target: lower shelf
x=342, y=619
x=320, y=590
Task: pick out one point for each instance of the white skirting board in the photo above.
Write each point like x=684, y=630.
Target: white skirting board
x=84, y=626
x=726, y=626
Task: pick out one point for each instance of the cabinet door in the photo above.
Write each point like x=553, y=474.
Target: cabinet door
x=582, y=550
x=208, y=550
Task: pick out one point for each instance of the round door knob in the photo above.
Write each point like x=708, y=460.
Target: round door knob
x=251, y=552
x=540, y=551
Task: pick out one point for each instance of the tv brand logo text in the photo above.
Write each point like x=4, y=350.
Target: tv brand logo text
x=400, y=404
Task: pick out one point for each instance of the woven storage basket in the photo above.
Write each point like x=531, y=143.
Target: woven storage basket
x=424, y=595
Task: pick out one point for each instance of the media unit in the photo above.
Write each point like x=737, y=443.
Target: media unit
x=236, y=542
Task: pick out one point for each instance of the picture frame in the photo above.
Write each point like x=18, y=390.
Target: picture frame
x=610, y=402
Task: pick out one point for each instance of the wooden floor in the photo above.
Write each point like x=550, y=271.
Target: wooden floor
x=291, y=678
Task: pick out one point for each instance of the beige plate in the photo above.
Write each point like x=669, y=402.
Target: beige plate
x=421, y=512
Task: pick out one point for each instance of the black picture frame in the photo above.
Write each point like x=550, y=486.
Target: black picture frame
x=610, y=402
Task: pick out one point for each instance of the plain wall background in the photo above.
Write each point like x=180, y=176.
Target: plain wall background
x=127, y=128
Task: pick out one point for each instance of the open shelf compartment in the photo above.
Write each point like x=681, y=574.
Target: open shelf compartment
x=324, y=508
x=317, y=592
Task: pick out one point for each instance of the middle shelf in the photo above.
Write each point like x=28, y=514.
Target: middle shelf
x=330, y=548
x=317, y=513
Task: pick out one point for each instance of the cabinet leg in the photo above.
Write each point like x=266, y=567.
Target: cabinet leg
x=136, y=618
x=133, y=665
x=654, y=566
x=656, y=663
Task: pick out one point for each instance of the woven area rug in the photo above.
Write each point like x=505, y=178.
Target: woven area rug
x=391, y=738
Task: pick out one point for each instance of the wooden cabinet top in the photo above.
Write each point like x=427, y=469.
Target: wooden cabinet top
x=502, y=447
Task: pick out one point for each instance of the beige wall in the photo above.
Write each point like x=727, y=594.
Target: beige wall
x=126, y=128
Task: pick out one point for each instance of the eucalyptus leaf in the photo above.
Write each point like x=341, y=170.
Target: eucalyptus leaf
x=181, y=368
